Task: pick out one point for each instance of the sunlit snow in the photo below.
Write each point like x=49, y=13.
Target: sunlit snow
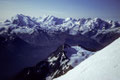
x=104, y=65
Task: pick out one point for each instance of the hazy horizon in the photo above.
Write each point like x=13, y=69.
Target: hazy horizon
x=105, y=9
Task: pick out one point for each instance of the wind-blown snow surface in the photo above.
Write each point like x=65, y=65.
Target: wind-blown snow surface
x=77, y=54
x=104, y=65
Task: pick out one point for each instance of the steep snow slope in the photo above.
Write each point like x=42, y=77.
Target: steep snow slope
x=104, y=65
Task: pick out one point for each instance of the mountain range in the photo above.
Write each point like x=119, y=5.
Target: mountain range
x=25, y=41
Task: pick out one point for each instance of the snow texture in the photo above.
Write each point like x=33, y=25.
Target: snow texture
x=104, y=65
x=77, y=54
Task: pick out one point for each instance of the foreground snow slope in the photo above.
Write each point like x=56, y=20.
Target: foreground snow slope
x=104, y=65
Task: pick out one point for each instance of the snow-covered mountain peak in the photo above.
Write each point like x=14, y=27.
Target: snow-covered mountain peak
x=51, y=20
x=59, y=29
x=41, y=36
x=56, y=64
x=104, y=65
x=19, y=17
x=22, y=20
x=68, y=19
x=97, y=19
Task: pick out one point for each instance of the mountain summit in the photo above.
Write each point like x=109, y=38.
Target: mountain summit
x=49, y=29
x=104, y=65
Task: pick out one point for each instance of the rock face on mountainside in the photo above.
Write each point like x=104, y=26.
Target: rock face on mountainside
x=24, y=41
x=104, y=65
x=58, y=63
x=55, y=65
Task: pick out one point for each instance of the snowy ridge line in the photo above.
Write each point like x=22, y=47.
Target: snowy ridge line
x=104, y=65
x=45, y=31
x=52, y=24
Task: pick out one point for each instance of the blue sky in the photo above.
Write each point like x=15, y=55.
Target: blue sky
x=106, y=9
